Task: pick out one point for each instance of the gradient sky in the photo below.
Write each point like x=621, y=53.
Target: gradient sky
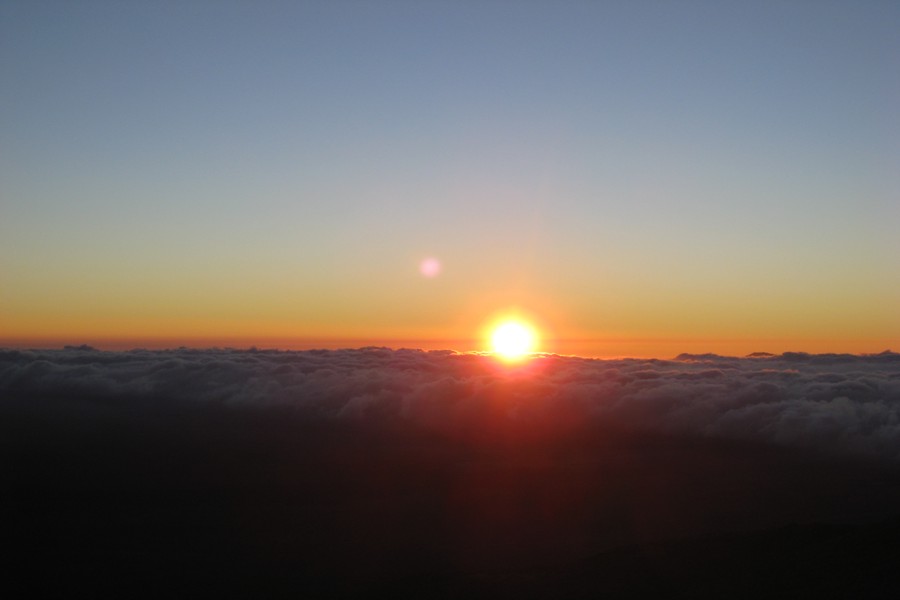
x=642, y=178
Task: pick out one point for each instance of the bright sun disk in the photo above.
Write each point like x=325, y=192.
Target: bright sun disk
x=512, y=340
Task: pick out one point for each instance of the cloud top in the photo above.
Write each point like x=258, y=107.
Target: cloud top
x=836, y=403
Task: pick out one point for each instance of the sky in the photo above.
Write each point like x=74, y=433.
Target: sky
x=635, y=178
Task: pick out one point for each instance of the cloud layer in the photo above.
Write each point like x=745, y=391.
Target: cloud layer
x=833, y=403
x=341, y=473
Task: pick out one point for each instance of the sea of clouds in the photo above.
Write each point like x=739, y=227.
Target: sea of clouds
x=835, y=403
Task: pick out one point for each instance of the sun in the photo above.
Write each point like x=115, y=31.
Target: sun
x=512, y=340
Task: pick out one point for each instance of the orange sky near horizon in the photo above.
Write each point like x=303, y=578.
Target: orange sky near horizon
x=452, y=310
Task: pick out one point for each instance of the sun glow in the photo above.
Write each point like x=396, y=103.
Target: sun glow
x=512, y=340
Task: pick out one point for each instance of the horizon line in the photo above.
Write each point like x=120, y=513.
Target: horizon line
x=307, y=346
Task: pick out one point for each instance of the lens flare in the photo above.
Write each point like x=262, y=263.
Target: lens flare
x=430, y=267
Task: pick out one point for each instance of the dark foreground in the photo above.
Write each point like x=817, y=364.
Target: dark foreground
x=173, y=501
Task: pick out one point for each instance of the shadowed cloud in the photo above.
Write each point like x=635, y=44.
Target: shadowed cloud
x=440, y=474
